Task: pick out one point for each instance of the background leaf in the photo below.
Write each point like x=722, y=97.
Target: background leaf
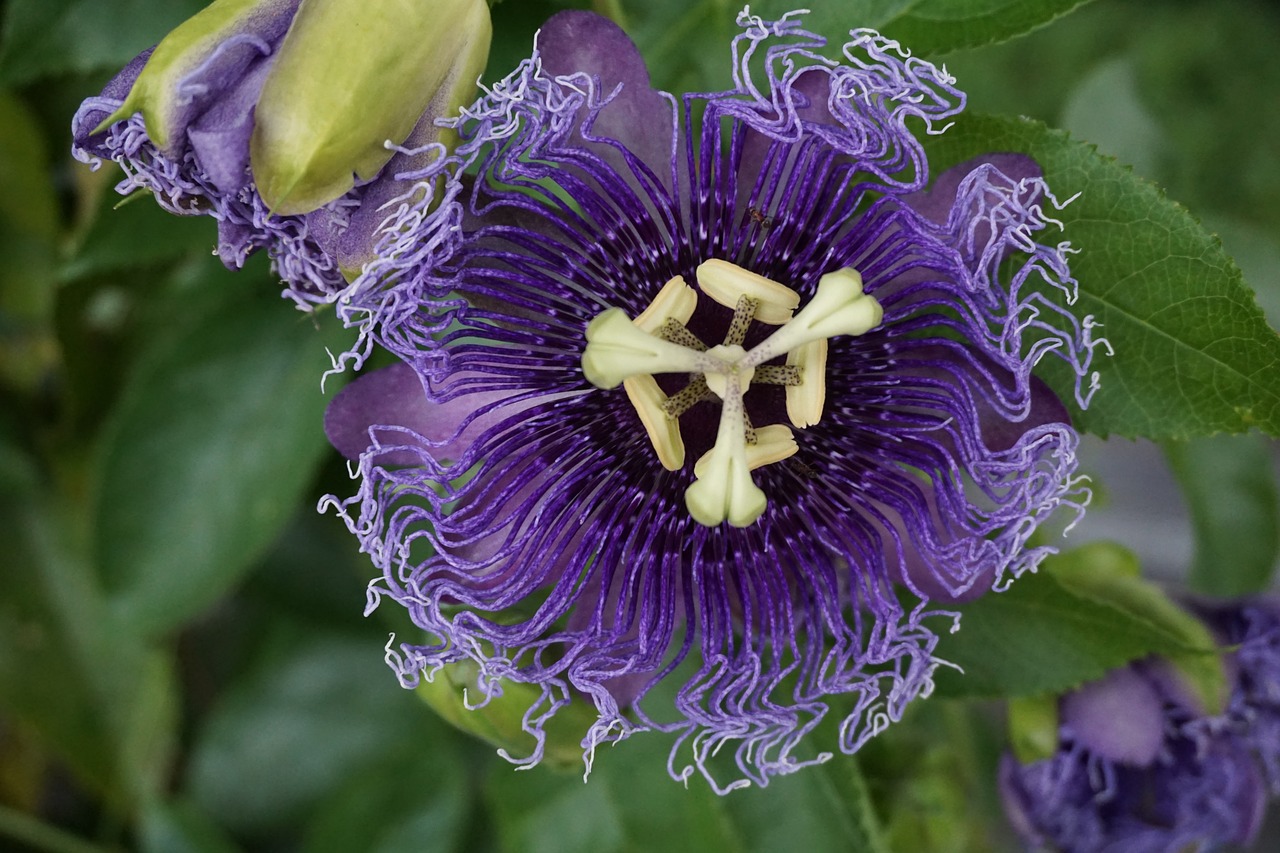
x=1194, y=353
x=216, y=434
x=941, y=26
x=314, y=711
x=630, y=804
x=51, y=37
x=1040, y=636
x=1229, y=483
x=111, y=712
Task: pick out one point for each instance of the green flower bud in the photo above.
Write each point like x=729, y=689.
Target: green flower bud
x=351, y=75
x=500, y=721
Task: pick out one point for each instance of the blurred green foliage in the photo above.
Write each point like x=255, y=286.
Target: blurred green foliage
x=183, y=664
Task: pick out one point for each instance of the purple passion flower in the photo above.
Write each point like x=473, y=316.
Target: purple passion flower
x=1138, y=770
x=702, y=404
x=232, y=116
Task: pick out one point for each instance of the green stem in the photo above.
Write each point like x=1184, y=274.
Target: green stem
x=611, y=9
x=35, y=833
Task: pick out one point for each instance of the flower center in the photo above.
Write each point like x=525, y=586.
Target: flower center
x=622, y=351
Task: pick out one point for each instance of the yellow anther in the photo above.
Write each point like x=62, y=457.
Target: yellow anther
x=726, y=283
x=805, y=400
x=663, y=430
x=676, y=301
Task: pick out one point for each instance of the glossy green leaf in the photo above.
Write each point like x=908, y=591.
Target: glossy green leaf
x=1040, y=636
x=43, y=38
x=631, y=804
x=217, y=432
x=1193, y=353
x=1229, y=483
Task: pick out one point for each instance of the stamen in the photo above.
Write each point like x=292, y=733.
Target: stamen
x=675, y=301
x=777, y=374
x=688, y=397
x=675, y=332
x=773, y=444
x=616, y=349
x=807, y=395
x=743, y=314
x=838, y=308
x=726, y=283
x=663, y=429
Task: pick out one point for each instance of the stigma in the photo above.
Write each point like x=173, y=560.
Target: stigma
x=630, y=353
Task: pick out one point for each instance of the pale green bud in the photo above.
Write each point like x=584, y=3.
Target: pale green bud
x=351, y=76
x=500, y=721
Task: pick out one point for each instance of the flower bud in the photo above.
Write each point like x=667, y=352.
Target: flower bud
x=349, y=77
x=310, y=94
x=456, y=695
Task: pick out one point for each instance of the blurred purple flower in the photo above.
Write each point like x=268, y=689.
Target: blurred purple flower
x=1139, y=769
x=542, y=526
x=1251, y=628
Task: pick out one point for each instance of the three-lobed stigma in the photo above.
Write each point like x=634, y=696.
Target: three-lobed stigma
x=622, y=351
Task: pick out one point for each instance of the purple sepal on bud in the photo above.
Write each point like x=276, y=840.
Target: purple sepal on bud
x=284, y=119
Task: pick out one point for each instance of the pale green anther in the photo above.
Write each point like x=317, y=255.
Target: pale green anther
x=155, y=93
x=351, y=76
x=617, y=349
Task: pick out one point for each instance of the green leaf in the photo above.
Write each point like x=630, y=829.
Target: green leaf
x=631, y=804
x=1229, y=483
x=216, y=434
x=1193, y=353
x=96, y=696
x=415, y=800
x=500, y=721
x=29, y=230
x=137, y=233
x=44, y=38
x=177, y=826
x=1042, y=636
x=1108, y=574
x=314, y=710
x=941, y=26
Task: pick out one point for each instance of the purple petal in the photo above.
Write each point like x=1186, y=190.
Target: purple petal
x=393, y=397
x=579, y=42
x=935, y=203
x=1118, y=717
